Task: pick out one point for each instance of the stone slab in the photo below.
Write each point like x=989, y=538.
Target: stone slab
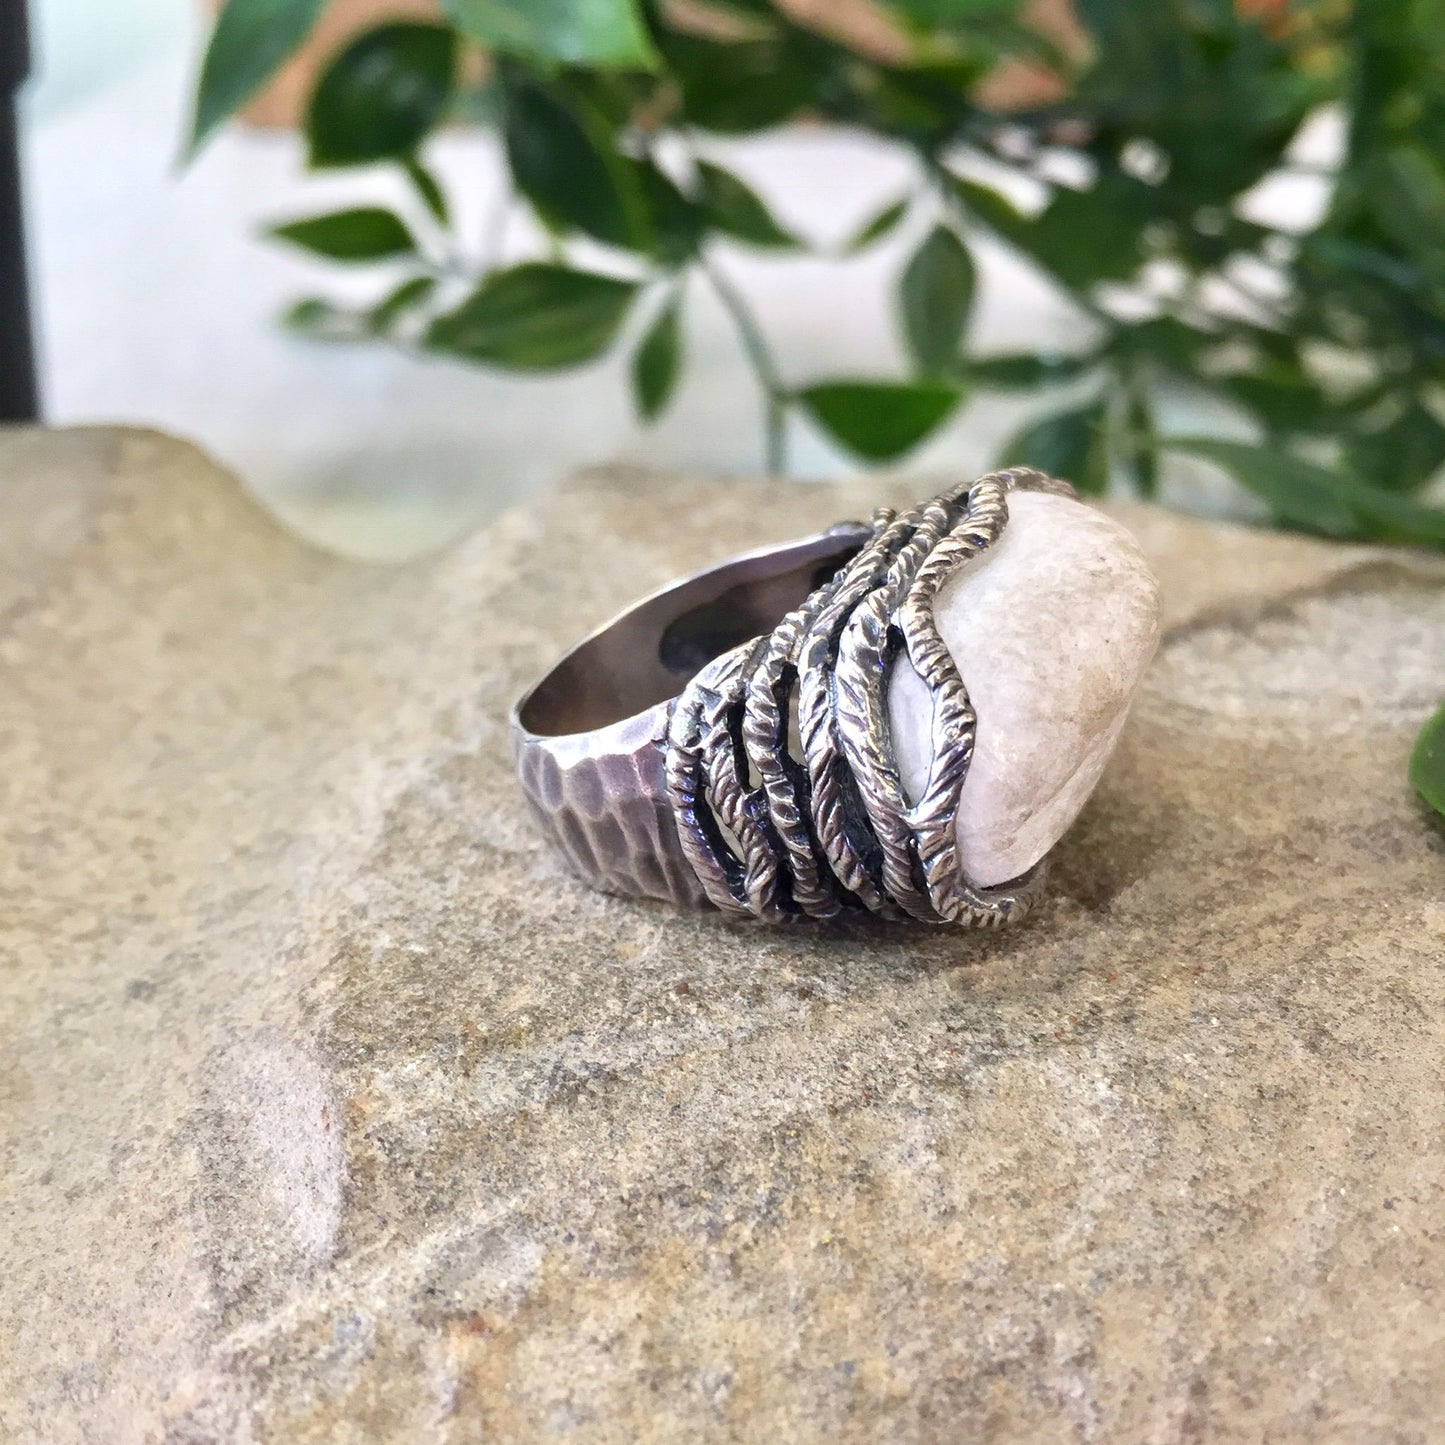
x=331, y=1110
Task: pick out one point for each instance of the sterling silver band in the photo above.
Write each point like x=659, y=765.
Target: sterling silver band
x=726, y=739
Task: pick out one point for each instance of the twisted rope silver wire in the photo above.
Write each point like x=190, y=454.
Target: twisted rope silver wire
x=834, y=829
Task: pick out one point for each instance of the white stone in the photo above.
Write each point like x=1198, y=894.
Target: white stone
x=1051, y=631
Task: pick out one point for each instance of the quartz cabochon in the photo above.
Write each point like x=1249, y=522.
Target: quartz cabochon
x=1051, y=630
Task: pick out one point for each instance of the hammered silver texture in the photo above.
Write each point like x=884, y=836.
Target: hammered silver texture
x=607, y=812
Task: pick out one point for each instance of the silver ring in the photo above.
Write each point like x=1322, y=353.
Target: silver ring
x=725, y=741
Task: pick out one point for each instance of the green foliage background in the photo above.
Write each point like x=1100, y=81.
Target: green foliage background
x=1331, y=340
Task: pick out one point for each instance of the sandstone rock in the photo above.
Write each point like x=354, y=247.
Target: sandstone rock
x=331, y=1108
x=1051, y=631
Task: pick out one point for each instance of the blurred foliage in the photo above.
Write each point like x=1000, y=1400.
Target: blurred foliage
x=1164, y=117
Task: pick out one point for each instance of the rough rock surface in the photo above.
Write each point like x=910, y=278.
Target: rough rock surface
x=331, y=1110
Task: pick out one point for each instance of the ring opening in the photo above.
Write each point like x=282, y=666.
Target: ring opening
x=645, y=656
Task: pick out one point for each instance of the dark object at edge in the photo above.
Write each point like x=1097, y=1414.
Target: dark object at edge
x=19, y=398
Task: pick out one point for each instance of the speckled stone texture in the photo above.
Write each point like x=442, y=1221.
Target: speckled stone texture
x=331, y=1109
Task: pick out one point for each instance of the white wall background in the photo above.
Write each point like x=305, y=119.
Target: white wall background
x=83, y=46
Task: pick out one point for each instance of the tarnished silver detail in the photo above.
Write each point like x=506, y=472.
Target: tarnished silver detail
x=771, y=826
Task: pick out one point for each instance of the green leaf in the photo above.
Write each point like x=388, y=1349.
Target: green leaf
x=381, y=94
x=1390, y=517
x=535, y=317
x=251, y=40
x=608, y=34
x=988, y=207
x=1427, y=762
x=1068, y=445
x=366, y=234
x=1025, y=371
x=1141, y=445
x=658, y=363
x=1165, y=341
x=952, y=12
x=1084, y=237
x=736, y=209
x=991, y=210
x=1280, y=394
x=920, y=101
x=1297, y=492
x=407, y=297
x=428, y=188
x=737, y=87
x=1408, y=191
x=565, y=158
x=1081, y=237
x=306, y=312
x=1402, y=455
x=880, y=420
x=934, y=296
x=671, y=225
x=324, y=321
x=877, y=226
x=318, y=319
x=1321, y=499
x=575, y=179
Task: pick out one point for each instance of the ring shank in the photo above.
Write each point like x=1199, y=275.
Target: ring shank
x=588, y=738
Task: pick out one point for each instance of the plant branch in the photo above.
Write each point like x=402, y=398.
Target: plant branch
x=494, y=236
x=760, y=357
